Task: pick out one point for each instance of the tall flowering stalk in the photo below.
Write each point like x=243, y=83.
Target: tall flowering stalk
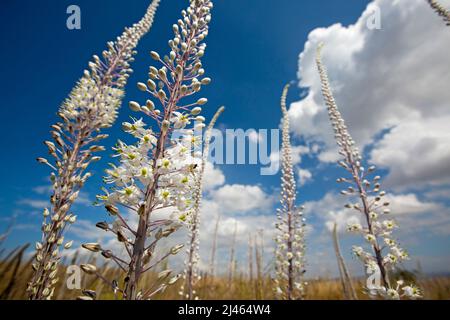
x=193, y=220
x=290, y=251
x=158, y=172
x=378, y=230
x=91, y=106
x=440, y=10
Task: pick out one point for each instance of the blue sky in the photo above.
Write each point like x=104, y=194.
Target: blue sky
x=253, y=50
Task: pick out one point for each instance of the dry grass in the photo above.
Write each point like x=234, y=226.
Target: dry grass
x=15, y=271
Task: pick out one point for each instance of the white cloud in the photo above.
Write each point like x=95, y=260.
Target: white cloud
x=330, y=209
x=238, y=198
x=423, y=157
x=213, y=177
x=304, y=176
x=396, y=77
x=247, y=226
x=33, y=203
x=47, y=189
x=83, y=199
x=414, y=215
x=409, y=204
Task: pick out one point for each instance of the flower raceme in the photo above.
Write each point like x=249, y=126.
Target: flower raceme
x=191, y=274
x=440, y=10
x=290, y=251
x=365, y=186
x=157, y=173
x=91, y=106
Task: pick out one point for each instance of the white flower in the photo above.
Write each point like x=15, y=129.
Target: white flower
x=372, y=267
x=412, y=292
x=180, y=120
x=392, y=294
x=390, y=259
x=389, y=242
x=130, y=195
x=354, y=227
x=371, y=238
x=358, y=251
x=389, y=224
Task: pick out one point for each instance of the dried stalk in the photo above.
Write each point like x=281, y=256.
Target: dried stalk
x=212, y=263
x=14, y=264
x=347, y=283
x=250, y=258
x=232, y=265
x=259, y=273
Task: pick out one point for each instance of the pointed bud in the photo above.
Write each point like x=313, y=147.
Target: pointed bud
x=93, y=247
x=202, y=101
x=88, y=268
x=142, y=86
x=196, y=111
x=134, y=106
x=68, y=245
x=155, y=55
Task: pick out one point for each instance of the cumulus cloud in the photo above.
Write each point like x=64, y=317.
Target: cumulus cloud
x=239, y=198
x=213, y=177
x=409, y=204
x=414, y=215
x=330, y=210
x=425, y=156
x=33, y=203
x=394, y=78
x=304, y=176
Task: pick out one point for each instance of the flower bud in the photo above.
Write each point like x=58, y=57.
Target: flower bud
x=162, y=94
x=107, y=254
x=121, y=237
x=93, y=247
x=142, y=86
x=114, y=211
x=150, y=105
x=202, y=101
x=173, y=280
x=88, y=268
x=165, y=125
x=176, y=249
x=151, y=84
x=196, y=111
x=164, y=274
x=134, y=106
x=103, y=226
x=155, y=55
x=68, y=245
x=206, y=81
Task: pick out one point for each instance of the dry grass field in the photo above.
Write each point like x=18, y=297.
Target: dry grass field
x=15, y=273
